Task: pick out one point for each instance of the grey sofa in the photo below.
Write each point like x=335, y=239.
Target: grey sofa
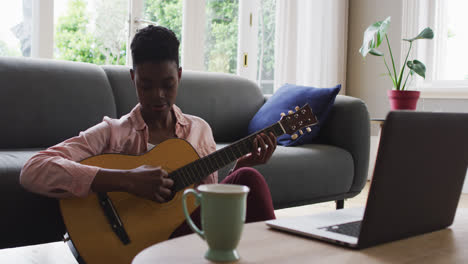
x=44, y=102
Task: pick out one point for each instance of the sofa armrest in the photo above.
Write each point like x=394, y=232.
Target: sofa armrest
x=348, y=127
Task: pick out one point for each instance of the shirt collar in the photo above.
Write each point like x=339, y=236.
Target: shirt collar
x=139, y=123
x=180, y=117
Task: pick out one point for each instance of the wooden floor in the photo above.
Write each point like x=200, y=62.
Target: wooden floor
x=357, y=201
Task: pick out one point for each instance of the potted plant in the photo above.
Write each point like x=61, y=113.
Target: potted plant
x=399, y=97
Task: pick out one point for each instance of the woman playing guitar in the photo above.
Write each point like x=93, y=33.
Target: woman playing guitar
x=156, y=74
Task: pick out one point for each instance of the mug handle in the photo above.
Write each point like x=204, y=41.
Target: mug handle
x=186, y=213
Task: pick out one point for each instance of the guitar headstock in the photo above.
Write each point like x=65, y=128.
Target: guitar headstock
x=296, y=121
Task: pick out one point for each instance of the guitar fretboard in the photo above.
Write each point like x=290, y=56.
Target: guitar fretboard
x=199, y=169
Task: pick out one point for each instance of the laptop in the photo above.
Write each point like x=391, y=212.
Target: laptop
x=418, y=177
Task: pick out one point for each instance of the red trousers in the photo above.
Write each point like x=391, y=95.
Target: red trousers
x=259, y=203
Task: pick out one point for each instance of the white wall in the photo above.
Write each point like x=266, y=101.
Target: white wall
x=364, y=76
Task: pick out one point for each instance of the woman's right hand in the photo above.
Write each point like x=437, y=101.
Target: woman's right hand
x=145, y=181
x=151, y=183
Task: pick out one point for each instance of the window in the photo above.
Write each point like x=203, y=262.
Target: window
x=220, y=53
x=231, y=36
x=167, y=13
x=266, y=46
x=445, y=55
x=211, y=31
x=93, y=31
x=455, y=42
x=15, y=28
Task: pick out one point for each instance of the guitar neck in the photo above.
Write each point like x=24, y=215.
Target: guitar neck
x=194, y=172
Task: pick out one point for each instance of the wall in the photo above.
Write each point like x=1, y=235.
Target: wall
x=364, y=75
x=443, y=105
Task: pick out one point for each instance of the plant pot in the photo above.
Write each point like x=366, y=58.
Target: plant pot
x=403, y=100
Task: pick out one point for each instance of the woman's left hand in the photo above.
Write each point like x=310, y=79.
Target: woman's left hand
x=262, y=150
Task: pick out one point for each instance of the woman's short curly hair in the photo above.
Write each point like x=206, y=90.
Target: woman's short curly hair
x=155, y=44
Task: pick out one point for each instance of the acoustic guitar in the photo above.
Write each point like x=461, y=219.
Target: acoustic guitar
x=113, y=227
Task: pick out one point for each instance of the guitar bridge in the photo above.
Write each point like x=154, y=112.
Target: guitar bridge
x=113, y=217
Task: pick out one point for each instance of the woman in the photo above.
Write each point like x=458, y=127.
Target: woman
x=56, y=172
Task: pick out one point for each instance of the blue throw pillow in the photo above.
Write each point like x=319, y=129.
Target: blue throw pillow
x=287, y=98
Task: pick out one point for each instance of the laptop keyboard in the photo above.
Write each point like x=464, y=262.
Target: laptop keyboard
x=349, y=229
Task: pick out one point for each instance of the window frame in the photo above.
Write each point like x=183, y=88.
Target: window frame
x=42, y=30
x=247, y=48
x=193, y=31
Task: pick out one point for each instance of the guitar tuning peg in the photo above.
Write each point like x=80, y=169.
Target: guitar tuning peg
x=301, y=132
x=297, y=108
x=294, y=136
x=283, y=114
x=290, y=112
x=308, y=129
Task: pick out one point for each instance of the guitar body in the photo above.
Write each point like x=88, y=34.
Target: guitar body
x=146, y=222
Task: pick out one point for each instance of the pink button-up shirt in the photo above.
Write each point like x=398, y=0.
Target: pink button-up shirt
x=56, y=172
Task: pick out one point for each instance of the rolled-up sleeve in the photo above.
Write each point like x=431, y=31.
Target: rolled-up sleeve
x=56, y=172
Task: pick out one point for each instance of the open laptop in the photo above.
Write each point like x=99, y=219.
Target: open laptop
x=418, y=177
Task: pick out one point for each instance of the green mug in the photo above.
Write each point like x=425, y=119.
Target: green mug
x=223, y=209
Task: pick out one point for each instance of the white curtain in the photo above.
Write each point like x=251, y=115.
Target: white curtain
x=311, y=42
x=417, y=15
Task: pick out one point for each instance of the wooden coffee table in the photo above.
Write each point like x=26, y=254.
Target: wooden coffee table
x=260, y=244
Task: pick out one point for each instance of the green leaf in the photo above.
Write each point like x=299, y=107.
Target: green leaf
x=376, y=52
x=374, y=35
x=418, y=67
x=426, y=33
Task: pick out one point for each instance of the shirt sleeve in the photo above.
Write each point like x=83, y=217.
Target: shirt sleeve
x=56, y=172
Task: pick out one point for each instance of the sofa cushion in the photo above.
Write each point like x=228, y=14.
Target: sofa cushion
x=304, y=174
x=124, y=91
x=307, y=173
x=226, y=101
x=48, y=101
x=287, y=98
x=32, y=218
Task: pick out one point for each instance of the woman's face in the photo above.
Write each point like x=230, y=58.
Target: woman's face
x=156, y=85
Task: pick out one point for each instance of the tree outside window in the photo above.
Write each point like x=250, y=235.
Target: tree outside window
x=221, y=36
x=166, y=13
x=97, y=37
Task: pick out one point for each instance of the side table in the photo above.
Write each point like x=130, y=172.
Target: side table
x=379, y=121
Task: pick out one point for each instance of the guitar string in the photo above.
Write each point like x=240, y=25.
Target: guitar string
x=196, y=170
